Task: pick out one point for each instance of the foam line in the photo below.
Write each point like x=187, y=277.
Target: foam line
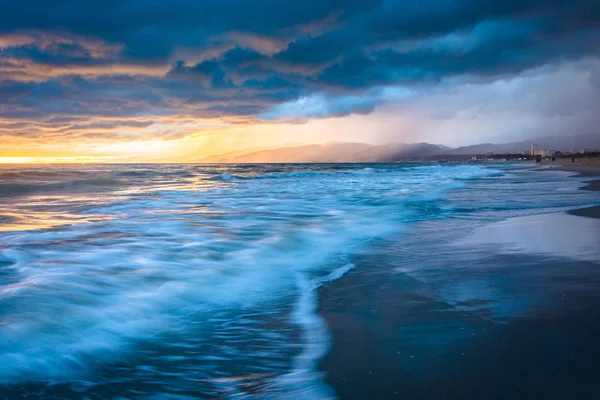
x=305, y=381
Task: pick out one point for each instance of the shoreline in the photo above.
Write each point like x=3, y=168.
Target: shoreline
x=498, y=325
x=588, y=168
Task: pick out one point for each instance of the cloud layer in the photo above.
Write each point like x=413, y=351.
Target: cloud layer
x=119, y=69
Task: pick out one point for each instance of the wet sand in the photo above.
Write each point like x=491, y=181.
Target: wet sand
x=557, y=235
x=589, y=212
x=583, y=167
x=405, y=340
x=496, y=317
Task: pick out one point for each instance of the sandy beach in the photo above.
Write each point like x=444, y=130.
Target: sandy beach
x=583, y=167
x=508, y=310
x=586, y=167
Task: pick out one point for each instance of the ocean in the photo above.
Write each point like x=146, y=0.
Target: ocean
x=255, y=281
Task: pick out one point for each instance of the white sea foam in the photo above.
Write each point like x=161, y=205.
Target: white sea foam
x=305, y=381
x=184, y=250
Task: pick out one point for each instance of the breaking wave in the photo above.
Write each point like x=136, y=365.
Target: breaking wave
x=183, y=278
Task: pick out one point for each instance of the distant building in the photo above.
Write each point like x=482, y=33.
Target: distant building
x=538, y=152
x=541, y=153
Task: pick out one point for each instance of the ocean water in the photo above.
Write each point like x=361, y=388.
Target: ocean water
x=200, y=281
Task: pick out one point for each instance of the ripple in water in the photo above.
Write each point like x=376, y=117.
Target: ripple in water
x=187, y=280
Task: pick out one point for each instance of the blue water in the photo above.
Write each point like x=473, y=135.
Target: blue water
x=185, y=281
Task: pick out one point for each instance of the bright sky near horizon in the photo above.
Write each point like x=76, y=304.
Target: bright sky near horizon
x=181, y=79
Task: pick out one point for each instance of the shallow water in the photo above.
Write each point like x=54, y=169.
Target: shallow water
x=149, y=281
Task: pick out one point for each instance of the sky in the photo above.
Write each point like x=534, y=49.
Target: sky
x=118, y=80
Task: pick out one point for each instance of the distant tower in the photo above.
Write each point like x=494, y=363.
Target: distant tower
x=532, y=149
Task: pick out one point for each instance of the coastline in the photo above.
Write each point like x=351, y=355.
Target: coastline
x=519, y=324
x=583, y=168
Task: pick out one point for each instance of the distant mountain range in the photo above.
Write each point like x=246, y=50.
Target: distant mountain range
x=557, y=143
x=363, y=152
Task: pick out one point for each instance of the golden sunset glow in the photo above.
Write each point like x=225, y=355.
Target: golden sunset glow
x=170, y=92
x=54, y=160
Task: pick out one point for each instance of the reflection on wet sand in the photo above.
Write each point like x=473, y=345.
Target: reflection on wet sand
x=466, y=309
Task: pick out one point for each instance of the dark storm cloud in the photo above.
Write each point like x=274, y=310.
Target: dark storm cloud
x=219, y=58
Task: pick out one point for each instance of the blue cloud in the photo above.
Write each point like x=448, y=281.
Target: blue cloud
x=268, y=59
